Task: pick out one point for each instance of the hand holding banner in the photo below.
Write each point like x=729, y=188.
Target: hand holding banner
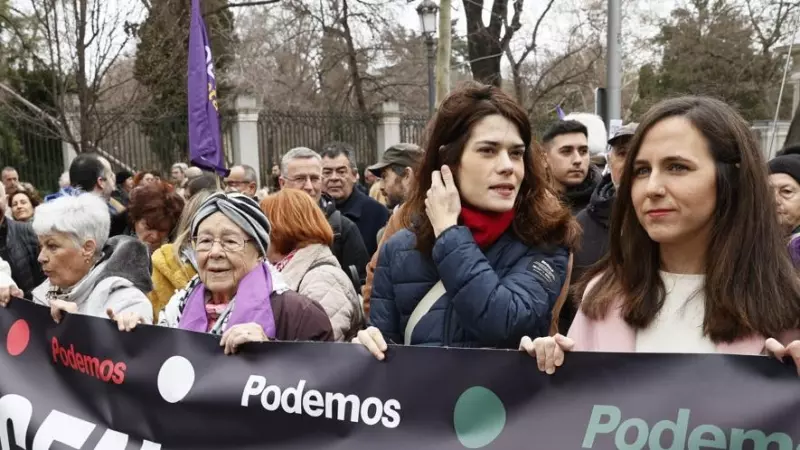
x=86, y=385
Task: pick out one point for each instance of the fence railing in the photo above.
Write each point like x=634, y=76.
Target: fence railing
x=156, y=143
x=280, y=131
x=412, y=129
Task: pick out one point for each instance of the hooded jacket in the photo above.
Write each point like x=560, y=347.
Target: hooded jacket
x=118, y=281
x=594, y=220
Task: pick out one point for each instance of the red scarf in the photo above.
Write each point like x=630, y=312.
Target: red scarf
x=486, y=227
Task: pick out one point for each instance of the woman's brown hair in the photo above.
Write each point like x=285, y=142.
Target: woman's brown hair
x=157, y=204
x=296, y=221
x=540, y=217
x=751, y=286
x=33, y=195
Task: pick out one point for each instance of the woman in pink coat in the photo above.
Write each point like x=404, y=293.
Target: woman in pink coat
x=696, y=262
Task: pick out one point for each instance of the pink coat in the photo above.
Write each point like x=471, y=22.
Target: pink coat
x=613, y=334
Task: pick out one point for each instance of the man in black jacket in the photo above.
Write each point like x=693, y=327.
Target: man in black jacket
x=19, y=247
x=301, y=168
x=566, y=146
x=595, y=220
x=339, y=176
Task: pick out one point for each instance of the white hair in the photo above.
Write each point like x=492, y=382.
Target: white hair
x=598, y=140
x=83, y=217
x=181, y=166
x=298, y=153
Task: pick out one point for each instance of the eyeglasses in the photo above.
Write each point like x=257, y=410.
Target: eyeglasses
x=230, y=244
x=301, y=179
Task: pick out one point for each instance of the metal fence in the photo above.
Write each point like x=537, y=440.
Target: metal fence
x=156, y=144
x=143, y=143
x=280, y=131
x=412, y=129
x=32, y=149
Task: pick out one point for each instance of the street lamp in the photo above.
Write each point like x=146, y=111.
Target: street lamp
x=427, y=11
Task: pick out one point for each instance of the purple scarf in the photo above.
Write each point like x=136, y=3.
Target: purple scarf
x=794, y=250
x=252, y=304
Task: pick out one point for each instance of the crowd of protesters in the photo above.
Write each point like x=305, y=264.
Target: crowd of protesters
x=681, y=239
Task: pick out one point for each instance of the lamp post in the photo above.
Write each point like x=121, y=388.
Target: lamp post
x=427, y=11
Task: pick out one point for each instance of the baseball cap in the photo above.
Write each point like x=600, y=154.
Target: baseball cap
x=625, y=131
x=403, y=154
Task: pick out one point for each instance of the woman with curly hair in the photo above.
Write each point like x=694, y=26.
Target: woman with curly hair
x=23, y=200
x=153, y=213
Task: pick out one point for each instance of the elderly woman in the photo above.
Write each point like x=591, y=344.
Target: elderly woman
x=23, y=200
x=175, y=264
x=301, y=251
x=153, y=213
x=236, y=293
x=87, y=272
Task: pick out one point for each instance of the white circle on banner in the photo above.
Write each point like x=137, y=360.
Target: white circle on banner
x=175, y=379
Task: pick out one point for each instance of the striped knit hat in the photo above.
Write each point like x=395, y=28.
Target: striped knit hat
x=241, y=210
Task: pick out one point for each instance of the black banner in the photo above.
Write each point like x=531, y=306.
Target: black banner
x=82, y=384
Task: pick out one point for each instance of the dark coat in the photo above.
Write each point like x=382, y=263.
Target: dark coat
x=19, y=246
x=595, y=220
x=493, y=298
x=578, y=197
x=368, y=215
x=348, y=245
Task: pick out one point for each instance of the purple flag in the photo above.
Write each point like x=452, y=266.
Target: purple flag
x=205, y=140
x=560, y=112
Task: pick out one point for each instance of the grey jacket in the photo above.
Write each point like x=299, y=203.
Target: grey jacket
x=119, y=281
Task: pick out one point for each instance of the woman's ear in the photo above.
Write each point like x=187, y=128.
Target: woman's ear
x=89, y=248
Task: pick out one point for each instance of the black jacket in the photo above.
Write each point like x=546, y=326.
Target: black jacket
x=578, y=197
x=19, y=247
x=595, y=220
x=368, y=215
x=348, y=246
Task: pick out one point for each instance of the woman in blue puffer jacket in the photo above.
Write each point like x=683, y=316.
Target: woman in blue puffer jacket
x=484, y=252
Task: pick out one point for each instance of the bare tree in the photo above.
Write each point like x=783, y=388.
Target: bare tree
x=488, y=43
x=80, y=41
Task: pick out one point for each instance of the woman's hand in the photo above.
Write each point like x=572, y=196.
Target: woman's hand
x=778, y=350
x=548, y=351
x=126, y=321
x=373, y=340
x=443, y=202
x=59, y=307
x=6, y=292
x=239, y=334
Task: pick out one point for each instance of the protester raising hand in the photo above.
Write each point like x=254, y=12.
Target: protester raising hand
x=442, y=202
x=548, y=351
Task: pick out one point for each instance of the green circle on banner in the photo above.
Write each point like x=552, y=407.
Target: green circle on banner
x=479, y=417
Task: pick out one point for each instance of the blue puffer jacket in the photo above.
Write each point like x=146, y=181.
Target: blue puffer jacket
x=493, y=299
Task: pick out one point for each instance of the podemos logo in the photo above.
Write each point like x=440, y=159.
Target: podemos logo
x=636, y=434
x=313, y=403
x=105, y=370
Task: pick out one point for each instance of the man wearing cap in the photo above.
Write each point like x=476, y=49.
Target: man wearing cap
x=595, y=218
x=396, y=170
x=785, y=181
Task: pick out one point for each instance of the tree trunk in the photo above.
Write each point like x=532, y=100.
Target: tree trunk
x=443, y=52
x=485, y=49
x=352, y=61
